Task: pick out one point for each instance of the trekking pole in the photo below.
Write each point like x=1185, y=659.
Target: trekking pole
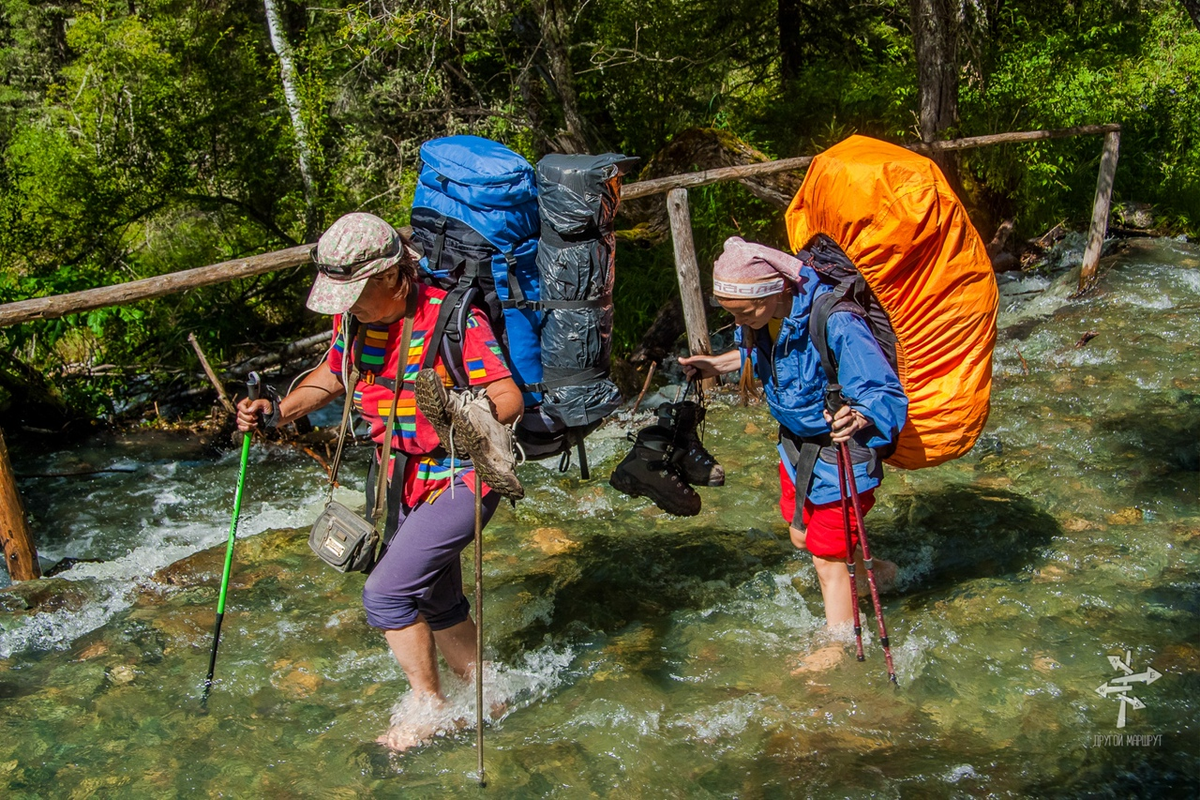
x=834, y=399
x=252, y=388
x=479, y=626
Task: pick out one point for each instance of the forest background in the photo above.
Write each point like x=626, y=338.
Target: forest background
x=150, y=136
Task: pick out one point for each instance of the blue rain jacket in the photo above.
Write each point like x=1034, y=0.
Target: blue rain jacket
x=794, y=383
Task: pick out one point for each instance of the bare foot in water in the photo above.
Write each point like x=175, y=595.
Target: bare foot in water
x=417, y=720
x=885, y=577
x=820, y=660
x=404, y=737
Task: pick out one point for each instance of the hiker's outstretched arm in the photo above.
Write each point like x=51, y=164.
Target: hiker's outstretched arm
x=507, y=402
x=703, y=366
x=317, y=389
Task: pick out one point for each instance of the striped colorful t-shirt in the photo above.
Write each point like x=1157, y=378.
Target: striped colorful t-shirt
x=427, y=474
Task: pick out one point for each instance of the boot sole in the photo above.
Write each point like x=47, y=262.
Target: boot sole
x=430, y=394
x=475, y=443
x=634, y=488
x=432, y=400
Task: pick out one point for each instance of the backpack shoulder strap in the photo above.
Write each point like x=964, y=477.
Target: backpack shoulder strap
x=841, y=299
x=447, y=333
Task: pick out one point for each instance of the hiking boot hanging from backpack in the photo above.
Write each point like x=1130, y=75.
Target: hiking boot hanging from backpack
x=649, y=471
x=465, y=424
x=694, y=463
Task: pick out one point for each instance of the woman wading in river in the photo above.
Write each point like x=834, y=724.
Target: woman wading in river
x=770, y=295
x=367, y=275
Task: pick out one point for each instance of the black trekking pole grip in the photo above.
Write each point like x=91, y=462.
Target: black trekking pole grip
x=253, y=386
x=834, y=399
x=254, y=392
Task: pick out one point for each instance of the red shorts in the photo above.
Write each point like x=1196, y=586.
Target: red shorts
x=825, y=533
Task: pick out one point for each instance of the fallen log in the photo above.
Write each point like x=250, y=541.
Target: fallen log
x=753, y=171
x=160, y=286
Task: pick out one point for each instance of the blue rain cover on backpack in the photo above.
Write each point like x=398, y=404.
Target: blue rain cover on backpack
x=475, y=216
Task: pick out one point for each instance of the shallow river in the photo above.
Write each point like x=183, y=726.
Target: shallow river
x=640, y=655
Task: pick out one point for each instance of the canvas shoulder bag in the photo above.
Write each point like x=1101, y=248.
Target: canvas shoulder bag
x=341, y=537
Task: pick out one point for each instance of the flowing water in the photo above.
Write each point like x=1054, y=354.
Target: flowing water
x=639, y=655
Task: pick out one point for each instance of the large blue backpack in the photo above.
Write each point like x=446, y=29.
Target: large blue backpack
x=475, y=218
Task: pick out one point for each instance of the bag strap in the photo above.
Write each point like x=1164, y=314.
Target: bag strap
x=802, y=452
x=351, y=331
x=378, y=513
x=349, y=335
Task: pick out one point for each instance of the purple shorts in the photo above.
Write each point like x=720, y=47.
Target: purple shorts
x=420, y=572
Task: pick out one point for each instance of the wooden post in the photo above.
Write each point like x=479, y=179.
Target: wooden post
x=688, y=272
x=20, y=556
x=212, y=376
x=1100, y=209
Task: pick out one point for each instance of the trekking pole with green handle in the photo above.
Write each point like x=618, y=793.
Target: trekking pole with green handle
x=252, y=388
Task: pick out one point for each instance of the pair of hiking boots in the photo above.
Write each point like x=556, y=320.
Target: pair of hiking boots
x=465, y=424
x=668, y=459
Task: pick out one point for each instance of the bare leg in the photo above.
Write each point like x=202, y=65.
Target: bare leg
x=413, y=647
x=835, y=590
x=829, y=655
x=797, y=535
x=885, y=575
x=457, y=644
x=834, y=580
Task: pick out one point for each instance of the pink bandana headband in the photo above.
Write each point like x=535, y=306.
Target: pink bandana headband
x=748, y=270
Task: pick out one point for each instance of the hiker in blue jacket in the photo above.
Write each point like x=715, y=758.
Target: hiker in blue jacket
x=770, y=295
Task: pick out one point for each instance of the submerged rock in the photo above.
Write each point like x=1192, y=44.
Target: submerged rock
x=46, y=595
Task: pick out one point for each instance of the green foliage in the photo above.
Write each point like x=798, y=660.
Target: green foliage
x=1132, y=63
x=141, y=139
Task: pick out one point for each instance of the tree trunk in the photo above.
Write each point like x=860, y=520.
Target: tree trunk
x=291, y=93
x=20, y=554
x=1193, y=9
x=935, y=27
x=787, y=16
x=556, y=29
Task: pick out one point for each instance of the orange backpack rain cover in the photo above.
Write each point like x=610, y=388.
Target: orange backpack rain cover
x=895, y=216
